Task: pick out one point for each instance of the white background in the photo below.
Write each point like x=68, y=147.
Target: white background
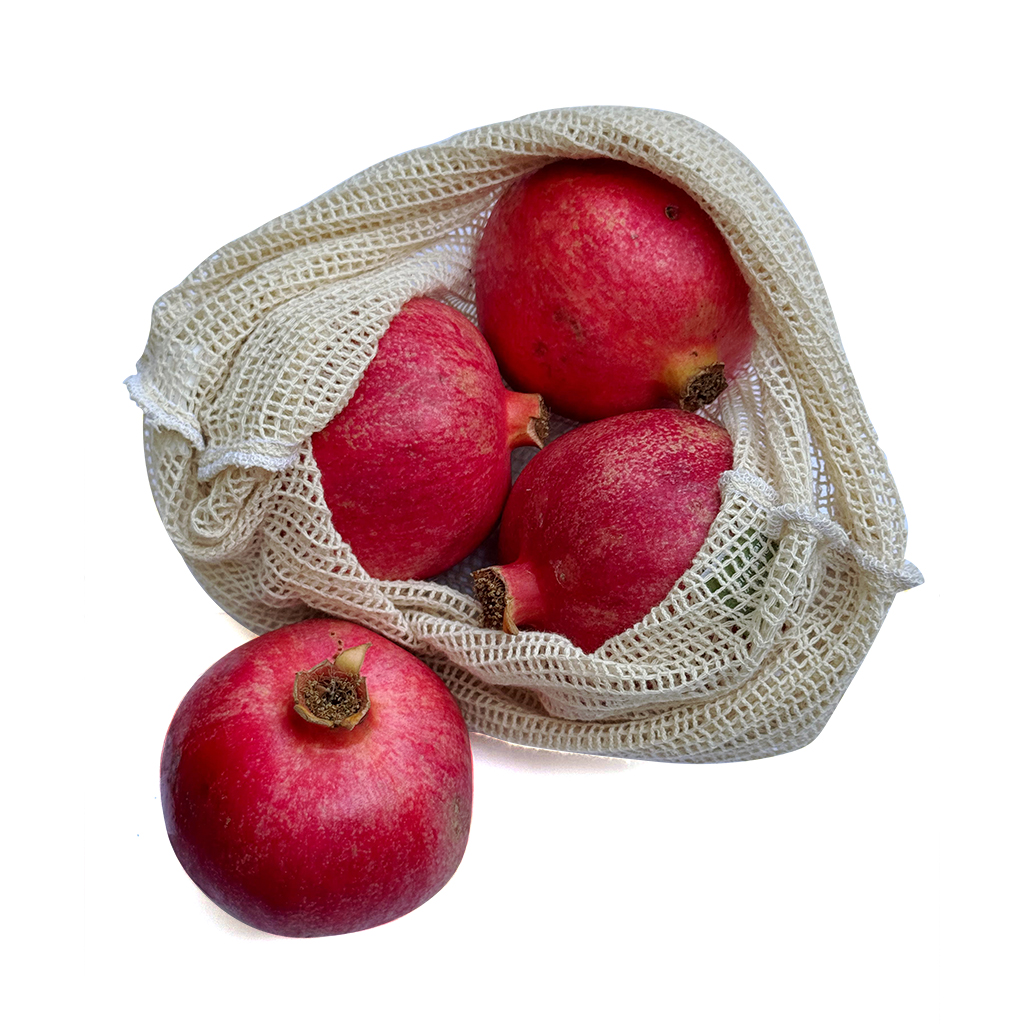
x=870, y=876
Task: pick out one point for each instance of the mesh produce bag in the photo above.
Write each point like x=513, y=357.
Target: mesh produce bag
x=267, y=339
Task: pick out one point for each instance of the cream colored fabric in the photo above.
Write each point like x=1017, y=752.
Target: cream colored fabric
x=268, y=337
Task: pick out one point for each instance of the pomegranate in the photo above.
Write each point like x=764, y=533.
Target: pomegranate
x=603, y=522
x=607, y=289
x=318, y=780
x=416, y=467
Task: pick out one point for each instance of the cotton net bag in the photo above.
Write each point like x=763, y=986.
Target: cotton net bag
x=267, y=339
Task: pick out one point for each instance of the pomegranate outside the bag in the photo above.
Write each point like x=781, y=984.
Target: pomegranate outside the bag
x=416, y=467
x=607, y=289
x=601, y=524
x=318, y=780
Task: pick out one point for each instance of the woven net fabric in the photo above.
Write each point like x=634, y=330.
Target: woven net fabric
x=267, y=339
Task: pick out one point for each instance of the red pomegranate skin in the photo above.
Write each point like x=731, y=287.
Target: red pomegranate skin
x=302, y=830
x=602, y=523
x=416, y=467
x=607, y=289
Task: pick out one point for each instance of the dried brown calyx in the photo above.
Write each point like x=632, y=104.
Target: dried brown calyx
x=333, y=693
x=703, y=387
x=509, y=595
x=528, y=419
x=493, y=596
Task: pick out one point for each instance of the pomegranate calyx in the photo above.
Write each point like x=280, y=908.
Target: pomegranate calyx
x=333, y=693
x=510, y=595
x=493, y=596
x=703, y=387
x=540, y=424
x=528, y=419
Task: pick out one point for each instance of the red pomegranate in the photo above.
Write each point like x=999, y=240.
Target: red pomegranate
x=603, y=522
x=606, y=289
x=318, y=780
x=415, y=468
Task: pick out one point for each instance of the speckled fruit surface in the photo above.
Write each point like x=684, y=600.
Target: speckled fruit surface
x=602, y=523
x=302, y=830
x=415, y=468
x=606, y=289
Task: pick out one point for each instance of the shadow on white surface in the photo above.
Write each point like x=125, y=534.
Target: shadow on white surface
x=537, y=761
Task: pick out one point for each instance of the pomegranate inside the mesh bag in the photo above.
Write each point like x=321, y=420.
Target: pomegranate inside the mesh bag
x=603, y=522
x=607, y=289
x=416, y=467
